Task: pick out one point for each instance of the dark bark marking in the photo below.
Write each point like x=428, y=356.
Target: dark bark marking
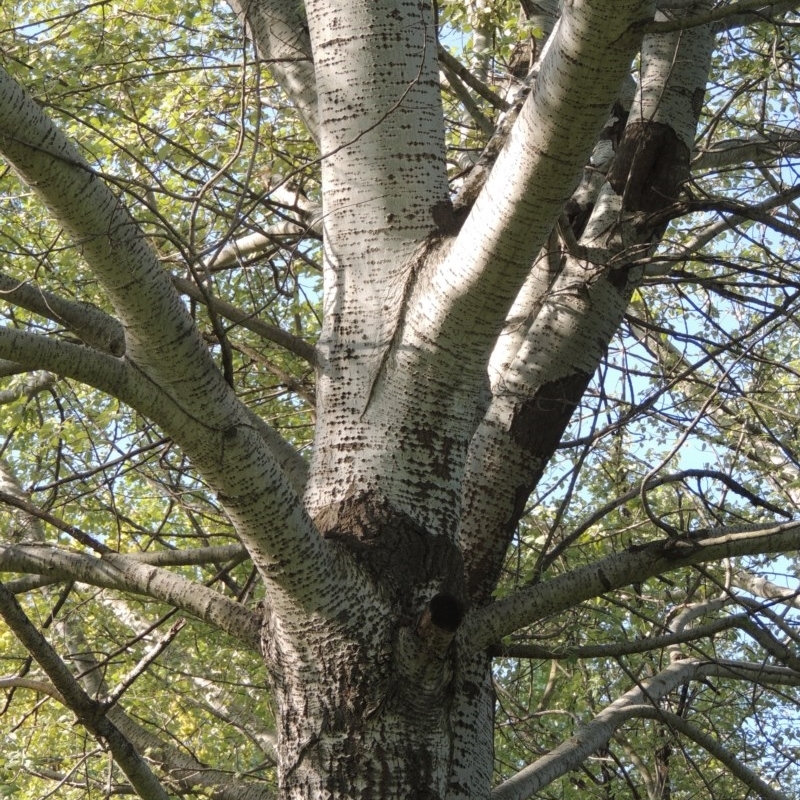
x=615, y=130
x=431, y=440
x=444, y=218
x=538, y=423
x=536, y=426
x=697, y=101
x=650, y=166
x=398, y=553
x=604, y=580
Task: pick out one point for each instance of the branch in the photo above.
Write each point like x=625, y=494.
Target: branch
x=485, y=125
x=728, y=16
x=93, y=326
x=640, y=701
x=533, y=402
x=200, y=555
x=33, y=351
x=33, y=383
x=452, y=64
x=756, y=149
x=661, y=480
x=117, y=377
x=41, y=687
x=638, y=563
x=184, y=769
x=152, y=653
x=103, y=332
x=740, y=211
x=712, y=746
x=116, y=571
x=9, y=368
x=280, y=33
x=160, y=334
x=272, y=333
x=90, y=713
x=616, y=649
x=761, y=587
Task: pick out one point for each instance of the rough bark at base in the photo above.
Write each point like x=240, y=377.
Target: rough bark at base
x=377, y=702
x=351, y=727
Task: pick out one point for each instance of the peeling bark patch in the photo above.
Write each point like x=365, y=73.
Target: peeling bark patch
x=538, y=423
x=697, y=101
x=650, y=166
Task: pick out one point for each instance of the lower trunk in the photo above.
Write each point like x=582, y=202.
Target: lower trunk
x=356, y=721
x=378, y=702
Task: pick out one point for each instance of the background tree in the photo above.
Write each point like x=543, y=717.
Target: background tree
x=399, y=401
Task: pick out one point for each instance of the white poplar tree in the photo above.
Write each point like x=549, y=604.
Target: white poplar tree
x=464, y=315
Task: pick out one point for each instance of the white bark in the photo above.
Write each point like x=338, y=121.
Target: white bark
x=456, y=296
x=115, y=571
x=382, y=122
x=488, y=625
x=482, y=272
x=761, y=587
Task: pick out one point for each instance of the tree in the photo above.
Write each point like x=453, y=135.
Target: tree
x=514, y=305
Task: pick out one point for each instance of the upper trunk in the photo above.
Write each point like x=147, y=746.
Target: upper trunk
x=378, y=88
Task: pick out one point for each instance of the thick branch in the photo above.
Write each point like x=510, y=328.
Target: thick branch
x=112, y=375
x=90, y=713
x=160, y=334
x=577, y=300
x=280, y=33
x=485, y=626
x=115, y=571
x=92, y=325
x=534, y=176
x=727, y=16
x=761, y=148
x=456, y=297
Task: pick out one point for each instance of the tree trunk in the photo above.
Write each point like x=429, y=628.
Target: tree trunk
x=363, y=718
x=378, y=701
